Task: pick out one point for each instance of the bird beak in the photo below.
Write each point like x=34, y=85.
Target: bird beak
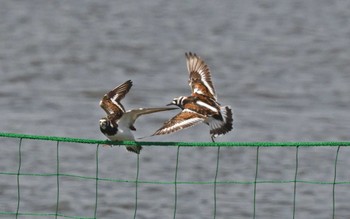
x=170, y=104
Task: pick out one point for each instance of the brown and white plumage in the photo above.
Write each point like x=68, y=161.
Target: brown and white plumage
x=118, y=123
x=199, y=76
x=110, y=102
x=185, y=119
x=201, y=106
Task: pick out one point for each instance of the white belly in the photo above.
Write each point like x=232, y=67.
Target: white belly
x=124, y=134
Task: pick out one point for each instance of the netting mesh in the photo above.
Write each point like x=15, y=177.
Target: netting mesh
x=59, y=179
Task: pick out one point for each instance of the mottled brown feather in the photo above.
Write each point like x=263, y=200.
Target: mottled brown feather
x=110, y=102
x=183, y=120
x=199, y=76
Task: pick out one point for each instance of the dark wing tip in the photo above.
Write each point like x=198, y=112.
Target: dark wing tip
x=128, y=82
x=128, y=85
x=190, y=54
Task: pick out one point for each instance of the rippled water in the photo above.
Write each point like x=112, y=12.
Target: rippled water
x=283, y=66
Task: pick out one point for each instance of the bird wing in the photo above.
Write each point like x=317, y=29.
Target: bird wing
x=110, y=102
x=200, y=78
x=119, y=92
x=185, y=119
x=133, y=114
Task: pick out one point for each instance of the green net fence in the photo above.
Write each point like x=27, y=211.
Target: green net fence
x=248, y=200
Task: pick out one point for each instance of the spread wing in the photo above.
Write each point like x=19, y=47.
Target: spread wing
x=185, y=119
x=110, y=102
x=200, y=78
x=119, y=93
x=135, y=113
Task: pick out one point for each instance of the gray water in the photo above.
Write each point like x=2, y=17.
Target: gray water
x=283, y=66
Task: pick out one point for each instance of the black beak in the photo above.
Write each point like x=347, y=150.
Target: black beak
x=170, y=104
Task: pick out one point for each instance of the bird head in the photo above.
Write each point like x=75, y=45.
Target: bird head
x=104, y=123
x=178, y=101
x=108, y=126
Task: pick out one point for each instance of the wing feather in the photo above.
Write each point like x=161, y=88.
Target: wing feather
x=110, y=102
x=119, y=93
x=200, y=78
x=135, y=113
x=183, y=120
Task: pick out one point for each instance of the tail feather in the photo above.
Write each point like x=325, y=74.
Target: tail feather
x=221, y=127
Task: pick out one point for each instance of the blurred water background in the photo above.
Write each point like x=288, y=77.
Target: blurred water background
x=283, y=66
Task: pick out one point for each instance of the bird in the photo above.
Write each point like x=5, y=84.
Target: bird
x=201, y=106
x=118, y=123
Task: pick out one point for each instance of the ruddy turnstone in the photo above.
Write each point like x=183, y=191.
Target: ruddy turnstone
x=118, y=123
x=201, y=106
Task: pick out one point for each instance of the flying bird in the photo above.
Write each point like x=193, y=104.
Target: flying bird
x=201, y=105
x=118, y=123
